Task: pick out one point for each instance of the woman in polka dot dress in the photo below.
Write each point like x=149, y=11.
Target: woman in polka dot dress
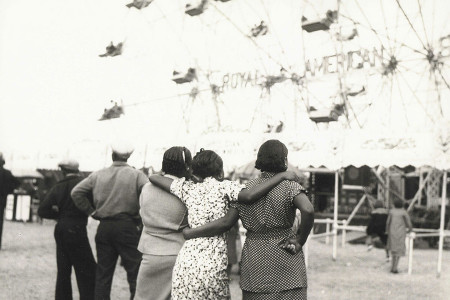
x=200, y=268
x=272, y=262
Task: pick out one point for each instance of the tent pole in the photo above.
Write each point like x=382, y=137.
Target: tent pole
x=441, y=227
x=419, y=191
x=335, y=212
x=355, y=210
x=381, y=181
x=410, y=253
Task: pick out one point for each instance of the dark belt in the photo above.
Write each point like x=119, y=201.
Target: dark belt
x=121, y=217
x=270, y=234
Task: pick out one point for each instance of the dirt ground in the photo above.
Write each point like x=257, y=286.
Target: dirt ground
x=28, y=270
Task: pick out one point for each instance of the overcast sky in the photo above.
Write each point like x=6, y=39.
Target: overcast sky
x=54, y=86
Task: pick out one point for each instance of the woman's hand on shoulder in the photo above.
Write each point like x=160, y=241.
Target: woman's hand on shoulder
x=290, y=175
x=186, y=233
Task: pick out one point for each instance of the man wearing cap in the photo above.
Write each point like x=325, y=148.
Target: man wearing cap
x=7, y=185
x=116, y=191
x=72, y=244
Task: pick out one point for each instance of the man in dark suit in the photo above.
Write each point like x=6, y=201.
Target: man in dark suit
x=72, y=244
x=7, y=185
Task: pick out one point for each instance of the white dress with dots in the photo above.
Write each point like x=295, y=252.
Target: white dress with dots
x=200, y=268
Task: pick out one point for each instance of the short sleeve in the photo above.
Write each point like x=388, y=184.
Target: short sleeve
x=232, y=189
x=294, y=189
x=180, y=187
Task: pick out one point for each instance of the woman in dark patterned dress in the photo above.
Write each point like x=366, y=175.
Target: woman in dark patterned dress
x=272, y=262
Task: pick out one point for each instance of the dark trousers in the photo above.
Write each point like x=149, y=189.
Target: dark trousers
x=116, y=238
x=2, y=213
x=73, y=249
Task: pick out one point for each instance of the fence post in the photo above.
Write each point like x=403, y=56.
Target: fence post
x=410, y=251
x=335, y=213
x=441, y=226
x=344, y=232
x=327, y=230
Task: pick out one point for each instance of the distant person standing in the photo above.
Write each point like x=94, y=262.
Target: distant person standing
x=7, y=185
x=398, y=224
x=116, y=191
x=377, y=226
x=72, y=243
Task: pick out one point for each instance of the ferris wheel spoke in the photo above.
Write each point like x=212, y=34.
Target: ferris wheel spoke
x=397, y=14
x=409, y=70
x=423, y=24
x=436, y=85
x=443, y=78
x=385, y=28
x=283, y=52
x=412, y=26
x=403, y=101
x=395, y=41
x=370, y=25
x=305, y=102
x=350, y=107
x=309, y=93
x=244, y=34
x=371, y=105
x=275, y=34
x=318, y=15
x=418, y=59
x=445, y=26
x=390, y=100
x=176, y=32
x=417, y=98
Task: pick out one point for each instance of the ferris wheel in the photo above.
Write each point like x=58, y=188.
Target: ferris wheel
x=390, y=63
x=268, y=66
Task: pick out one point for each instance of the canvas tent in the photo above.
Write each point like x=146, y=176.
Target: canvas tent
x=336, y=150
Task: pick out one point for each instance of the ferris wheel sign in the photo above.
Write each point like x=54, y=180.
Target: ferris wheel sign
x=351, y=60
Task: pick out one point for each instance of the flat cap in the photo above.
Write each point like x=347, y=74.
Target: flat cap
x=69, y=164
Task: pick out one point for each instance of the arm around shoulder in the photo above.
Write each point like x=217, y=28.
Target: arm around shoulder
x=249, y=196
x=213, y=228
x=161, y=182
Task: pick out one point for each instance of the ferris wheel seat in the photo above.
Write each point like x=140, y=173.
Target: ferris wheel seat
x=276, y=79
x=181, y=78
x=324, y=115
x=112, y=113
x=356, y=90
x=112, y=50
x=222, y=0
x=139, y=4
x=316, y=25
x=195, y=10
x=260, y=29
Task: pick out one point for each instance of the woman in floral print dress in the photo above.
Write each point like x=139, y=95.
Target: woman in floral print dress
x=200, y=269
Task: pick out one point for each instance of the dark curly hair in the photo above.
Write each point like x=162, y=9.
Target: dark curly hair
x=272, y=157
x=207, y=163
x=177, y=161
